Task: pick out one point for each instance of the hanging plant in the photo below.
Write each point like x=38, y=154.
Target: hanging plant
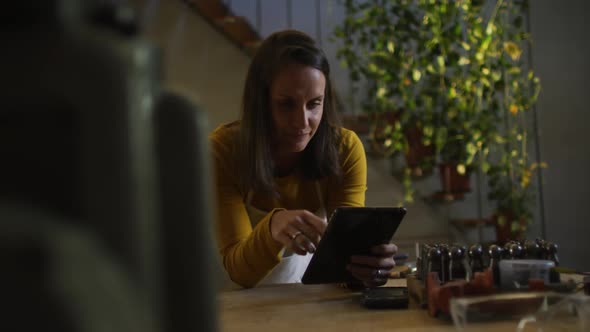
x=453, y=70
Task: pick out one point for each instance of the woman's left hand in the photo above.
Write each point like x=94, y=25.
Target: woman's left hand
x=373, y=270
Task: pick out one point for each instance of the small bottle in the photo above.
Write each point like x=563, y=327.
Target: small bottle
x=495, y=257
x=457, y=268
x=444, y=262
x=551, y=249
x=475, y=255
x=532, y=249
x=434, y=262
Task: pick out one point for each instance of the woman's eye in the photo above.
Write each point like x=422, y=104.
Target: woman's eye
x=314, y=105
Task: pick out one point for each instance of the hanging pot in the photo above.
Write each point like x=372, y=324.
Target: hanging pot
x=503, y=222
x=453, y=182
x=419, y=157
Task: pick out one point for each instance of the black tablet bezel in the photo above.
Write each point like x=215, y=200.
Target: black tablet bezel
x=350, y=231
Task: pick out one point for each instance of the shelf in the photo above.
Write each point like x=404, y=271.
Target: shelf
x=238, y=28
x=472, y=222
x=212, y=9
x=235, y=28
x=445, y=197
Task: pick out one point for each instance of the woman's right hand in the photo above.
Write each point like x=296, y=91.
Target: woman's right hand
x=298, y=230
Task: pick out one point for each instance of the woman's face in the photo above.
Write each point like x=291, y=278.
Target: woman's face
x=297, y=104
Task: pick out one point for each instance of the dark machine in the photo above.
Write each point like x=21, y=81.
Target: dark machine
x=445, y=271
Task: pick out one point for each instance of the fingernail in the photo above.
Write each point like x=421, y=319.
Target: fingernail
x=311, y=248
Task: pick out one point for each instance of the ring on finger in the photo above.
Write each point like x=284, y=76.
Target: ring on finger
x=294, y=236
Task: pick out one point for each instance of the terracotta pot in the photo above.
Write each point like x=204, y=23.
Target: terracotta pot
x=452, y=181
x=504, y=232
x=418, y=157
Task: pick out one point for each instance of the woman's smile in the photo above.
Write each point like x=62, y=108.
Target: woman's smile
x=298, y=137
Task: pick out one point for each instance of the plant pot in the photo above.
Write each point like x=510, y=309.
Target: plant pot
x=453, y=182
x=504, y=232
x=419, y=157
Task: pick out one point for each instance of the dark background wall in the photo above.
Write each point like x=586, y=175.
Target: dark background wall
x=561, y=57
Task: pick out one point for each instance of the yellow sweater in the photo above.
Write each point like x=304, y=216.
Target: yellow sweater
x=249, y=253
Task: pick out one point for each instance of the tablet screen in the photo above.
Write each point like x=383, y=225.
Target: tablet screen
x=350, y=231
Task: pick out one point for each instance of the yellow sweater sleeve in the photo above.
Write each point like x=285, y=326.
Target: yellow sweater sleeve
x=349, y=190
x=248, y=254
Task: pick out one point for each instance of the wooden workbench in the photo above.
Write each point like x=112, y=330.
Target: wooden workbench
x=297, y=307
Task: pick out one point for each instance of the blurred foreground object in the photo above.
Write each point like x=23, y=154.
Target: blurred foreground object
x=104, y=212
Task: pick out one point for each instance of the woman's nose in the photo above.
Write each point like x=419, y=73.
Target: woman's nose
x=300, y=118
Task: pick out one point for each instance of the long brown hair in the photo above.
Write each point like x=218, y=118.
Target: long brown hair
x=320, y=157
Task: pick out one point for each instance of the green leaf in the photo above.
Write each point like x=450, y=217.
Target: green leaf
x=485, y=167
x=452, y=93
x=479, y=56
x=440, y=138
x=490, y=28
x=440, y=60
x=476, y=135
x=416, y=74
x=372, y=67
x=471, y=151
x=496, y=76
x=464, y=61
x=461, y=169
x=390, y=47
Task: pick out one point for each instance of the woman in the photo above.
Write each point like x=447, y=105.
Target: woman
x=286, y=166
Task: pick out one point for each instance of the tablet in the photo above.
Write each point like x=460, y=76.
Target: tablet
x=350, y=231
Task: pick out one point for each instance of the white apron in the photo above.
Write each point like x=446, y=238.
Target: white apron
x=292, y=266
